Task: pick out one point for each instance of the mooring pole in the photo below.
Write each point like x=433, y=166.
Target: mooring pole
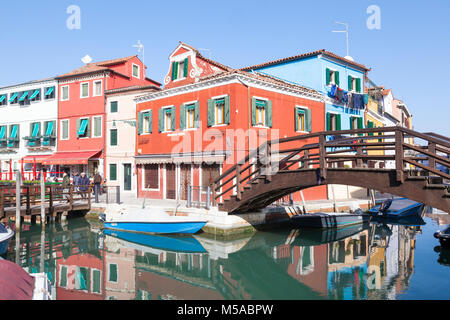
x=43, y=200
x=18, y=200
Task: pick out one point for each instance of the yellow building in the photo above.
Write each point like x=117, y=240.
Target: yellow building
x=373, y=117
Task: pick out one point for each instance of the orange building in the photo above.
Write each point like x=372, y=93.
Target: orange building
x=208, y=117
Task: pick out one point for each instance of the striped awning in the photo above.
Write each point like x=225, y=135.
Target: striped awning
x=179, y=159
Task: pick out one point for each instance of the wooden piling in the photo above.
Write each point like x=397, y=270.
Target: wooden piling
x=18, y=200
x=43, y=198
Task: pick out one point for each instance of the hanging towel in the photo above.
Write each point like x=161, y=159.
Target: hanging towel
x=357, y=101
x=333, y=90
x=366, y=99
x=345, y=97
x=350, y=100
x=339, y=94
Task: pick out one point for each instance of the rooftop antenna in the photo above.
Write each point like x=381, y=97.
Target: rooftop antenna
x=86, y=59
x=140, y=47
x=206, y=50
x=346, y=32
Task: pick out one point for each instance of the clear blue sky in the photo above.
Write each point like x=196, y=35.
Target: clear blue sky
x=408, y=54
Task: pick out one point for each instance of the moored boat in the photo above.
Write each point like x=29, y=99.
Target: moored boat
x=140, y=241
x=5, y=235
x=444, y=237
x=156, y=221
x=397, y=208
x=314, y=237
x=329, y=220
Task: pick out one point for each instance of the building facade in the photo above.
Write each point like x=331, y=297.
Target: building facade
x=208, y=117
x=121, y=136
x=82, y=112
x=28, y=127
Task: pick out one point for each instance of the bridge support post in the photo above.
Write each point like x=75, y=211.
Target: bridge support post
x=238, y=182
x=432, y=149
x=18, y=200
x=322, y=155
x=399, y=154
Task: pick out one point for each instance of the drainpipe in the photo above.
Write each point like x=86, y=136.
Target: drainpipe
x=104, y=125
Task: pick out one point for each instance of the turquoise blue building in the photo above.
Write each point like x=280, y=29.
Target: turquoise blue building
x=340, y=80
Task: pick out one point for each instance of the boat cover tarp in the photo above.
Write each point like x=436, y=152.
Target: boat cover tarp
x=15, y=282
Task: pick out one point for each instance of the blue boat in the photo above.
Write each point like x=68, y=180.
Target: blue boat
x=5, y=235
x=186, y=244
x=397, y=208
x=153, y=222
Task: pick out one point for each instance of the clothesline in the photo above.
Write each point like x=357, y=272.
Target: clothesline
x=353, y=100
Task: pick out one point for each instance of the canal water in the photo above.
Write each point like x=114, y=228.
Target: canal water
x=370, y=262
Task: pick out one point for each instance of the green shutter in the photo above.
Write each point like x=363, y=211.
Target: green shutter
x=308, y=120
x=161, y=120
x=174, y=115
x=327, y=75
x=269, y=114
x=337, y=78
x=360, y=123
x=97, y=126
x=140, y=123
x=370, y=126
x=350, y=81
x=114, y=106
x=183, y=117
x=186, y=65
x=88, y=130
x=328, y=121
x=351, y=123
x=253, y=111
x=197, y=114
x=227, y=110
x=358, y=85
x=113, y=137
x=150, y=121
x=63, y=278
x=211, y=113
x=174, y=70
x=113, y=172
x=338, y=122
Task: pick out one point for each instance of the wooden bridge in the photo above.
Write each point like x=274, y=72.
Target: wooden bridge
x=58, y=201
x=393, y=160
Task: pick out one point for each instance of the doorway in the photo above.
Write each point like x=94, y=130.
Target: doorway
x=127, y=177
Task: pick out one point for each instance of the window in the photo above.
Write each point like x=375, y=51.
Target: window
x=354, y=84
x=83, y=128
x=260, y=113
x=14, y=136
x=332, y=77
x=64, y=129
x=65, y=93
x=180, y=69
x=333, y=121
x=300, y=121
x=113, y=137
x=151, y=176
x=167, y=119
x=97, y=88
x=190, y=117
x=114, y=106
x=84, y=90
x=34, y=134
x=3, y=99
x=3, y=137
x=36, y=95
x=49, y=93
x=63, y=277
x=24, y=98
x=82, y=278
x=220, y=111
x=303, y=119
x=49, y=133
x=14, y=98
x=136, y=71
x=112, y=274
x=145, y=122
x=113, y=172
x=97, y=127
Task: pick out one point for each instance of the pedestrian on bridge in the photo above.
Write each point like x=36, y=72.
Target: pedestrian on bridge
x=84, y=184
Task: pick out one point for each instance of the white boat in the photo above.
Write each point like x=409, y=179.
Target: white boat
x=5, y=235
x=153, y=221
x=326, y=220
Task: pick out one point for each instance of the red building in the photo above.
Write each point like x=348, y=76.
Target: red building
x=82, y=109
x=209, y=116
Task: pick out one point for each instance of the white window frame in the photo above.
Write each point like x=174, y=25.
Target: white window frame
x=101, y=88
x=93, y=126
x=62, y=93
x=332, y=76
x=139, y=71
x=143, y=179
x=303, y=108
x=144, y=128
x=164, y=115
x=81, y=90
x=62, y=130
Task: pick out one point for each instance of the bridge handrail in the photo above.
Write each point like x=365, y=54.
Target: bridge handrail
x=357, y=148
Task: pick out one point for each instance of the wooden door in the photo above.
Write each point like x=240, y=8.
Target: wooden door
x=185, y=180
x=170, y=182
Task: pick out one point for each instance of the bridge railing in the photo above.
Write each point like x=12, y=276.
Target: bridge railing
x=394, y=148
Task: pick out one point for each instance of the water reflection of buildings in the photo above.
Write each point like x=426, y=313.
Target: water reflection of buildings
x=373, y=264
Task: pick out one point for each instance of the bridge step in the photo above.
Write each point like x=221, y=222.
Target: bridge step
x=416, y=178
x=436, y=186
x=435, y=180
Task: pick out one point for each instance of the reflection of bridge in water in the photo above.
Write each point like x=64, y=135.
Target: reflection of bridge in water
x=277, y=168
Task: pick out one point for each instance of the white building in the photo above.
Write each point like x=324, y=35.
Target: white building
x=121, y=137
x=28, y=126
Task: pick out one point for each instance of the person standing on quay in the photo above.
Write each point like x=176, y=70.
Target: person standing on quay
x=66, y=185
x=83, y=184
x=97, y=182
